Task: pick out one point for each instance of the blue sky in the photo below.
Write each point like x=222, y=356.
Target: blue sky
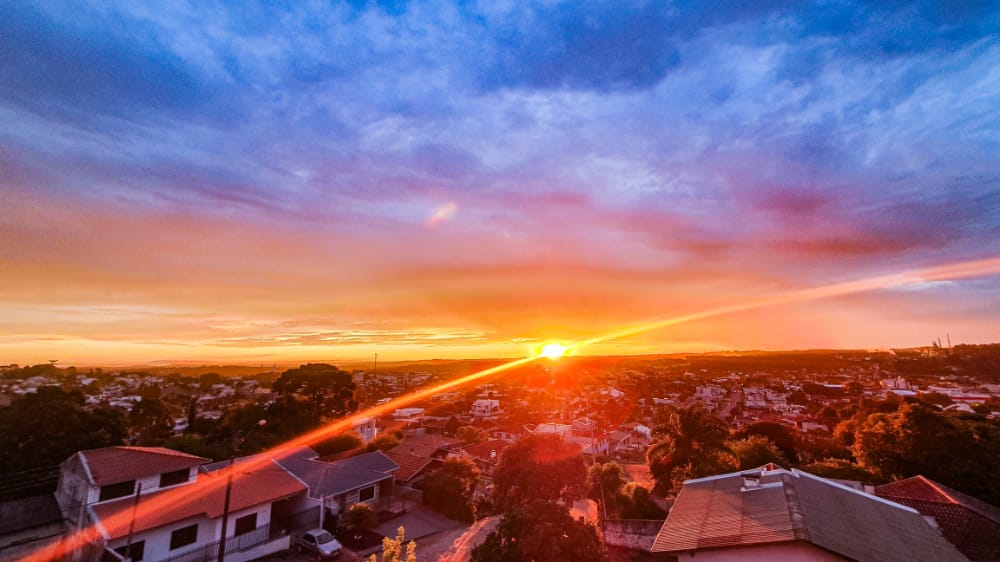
x=221, y=173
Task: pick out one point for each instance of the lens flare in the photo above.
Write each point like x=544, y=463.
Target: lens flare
x=188, y=492
x=553, y=350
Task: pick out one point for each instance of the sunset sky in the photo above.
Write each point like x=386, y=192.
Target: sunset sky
x=324, y=181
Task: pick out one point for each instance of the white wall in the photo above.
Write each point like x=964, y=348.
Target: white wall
x=158, y=539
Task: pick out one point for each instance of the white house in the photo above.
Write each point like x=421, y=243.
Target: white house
x=365, y=427
x=485, y=408
x=157, y=504
x=408, y=414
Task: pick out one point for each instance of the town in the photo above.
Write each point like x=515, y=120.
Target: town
x=86, y=447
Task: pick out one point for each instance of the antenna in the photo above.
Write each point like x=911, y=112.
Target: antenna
x=375, y=369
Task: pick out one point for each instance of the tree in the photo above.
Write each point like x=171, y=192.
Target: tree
x=783, y=436
x=693, y=444
x=327, y=386
x=392, y=549
x=339, y=443
x=44, y=429
x=841, y=469
x=538, y=467
x=755, y=451
x=917, y=439
x=637, y=504
x=452, y=426
x=359, y=519
x=150, y=421
x=383, y=442
x=606, y=482
x=471, y=434
x=450, y=489
x=541, y=531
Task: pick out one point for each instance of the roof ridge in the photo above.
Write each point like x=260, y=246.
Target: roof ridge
x=938, y=488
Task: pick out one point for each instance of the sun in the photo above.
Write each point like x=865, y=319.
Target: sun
x=553, y=350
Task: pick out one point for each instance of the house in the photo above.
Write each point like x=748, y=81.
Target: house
x=366, y=478
x=419, y=453
x=365, y=427
x=408, y=414
x=159, y=505
x=771, y=513
x=486, y=455
x=485, y=408
x=973, y=526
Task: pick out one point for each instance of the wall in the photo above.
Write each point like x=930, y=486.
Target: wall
x=636, y=534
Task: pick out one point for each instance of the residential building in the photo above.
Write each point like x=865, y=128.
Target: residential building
x=365, y=427
x=771, y=513
x=160, y=503
x=486, y=408
x=366, y=478
x=972, y=525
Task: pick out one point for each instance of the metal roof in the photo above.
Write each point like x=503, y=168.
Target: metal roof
x=764, y=506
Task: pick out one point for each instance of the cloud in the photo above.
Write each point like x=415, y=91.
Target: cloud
x=280, y=163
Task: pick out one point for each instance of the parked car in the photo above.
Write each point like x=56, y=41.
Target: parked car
x=319, y=541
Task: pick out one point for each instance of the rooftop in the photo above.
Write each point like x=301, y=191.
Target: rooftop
x=331, y=478
x=972, y=525
x=111, y=465
x=206, y=496
x=773, y=505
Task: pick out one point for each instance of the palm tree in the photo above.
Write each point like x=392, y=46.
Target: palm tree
x=692, y=444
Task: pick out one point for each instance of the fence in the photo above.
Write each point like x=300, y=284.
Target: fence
x=239, y=543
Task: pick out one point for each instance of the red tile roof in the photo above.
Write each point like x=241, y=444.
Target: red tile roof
x=972, y=525
x=486, y=450
x=205, y=497
x=409, y=465
x=121, y=464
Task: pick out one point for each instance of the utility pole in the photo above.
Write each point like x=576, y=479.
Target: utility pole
x=229, y=487
x=225, y=509
x=131, y=525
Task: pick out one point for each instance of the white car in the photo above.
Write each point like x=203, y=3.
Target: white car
x=321, y=542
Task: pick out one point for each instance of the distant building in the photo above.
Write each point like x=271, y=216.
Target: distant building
x=365, y=427
x=485, y=408
x=408, y=414
x=771, y=513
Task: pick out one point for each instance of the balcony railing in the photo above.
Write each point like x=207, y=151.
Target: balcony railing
x=210, y=551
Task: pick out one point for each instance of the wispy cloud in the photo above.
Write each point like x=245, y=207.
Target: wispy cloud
x=279, y=163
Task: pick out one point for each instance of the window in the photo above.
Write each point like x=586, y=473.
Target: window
x=183, y=537
x=175, y=477
x=366, y=494
x=119, y=490
x=135, y=553
x=246, y=524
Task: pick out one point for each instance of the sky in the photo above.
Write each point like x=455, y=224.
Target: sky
x=324, y=181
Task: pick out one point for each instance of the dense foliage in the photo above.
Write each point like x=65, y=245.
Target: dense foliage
x=450, y=488
x=538, y=467
x=39, y=431
x=538, y=531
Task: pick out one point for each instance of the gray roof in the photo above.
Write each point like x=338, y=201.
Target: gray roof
x=331, y=478
x=763, y=506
